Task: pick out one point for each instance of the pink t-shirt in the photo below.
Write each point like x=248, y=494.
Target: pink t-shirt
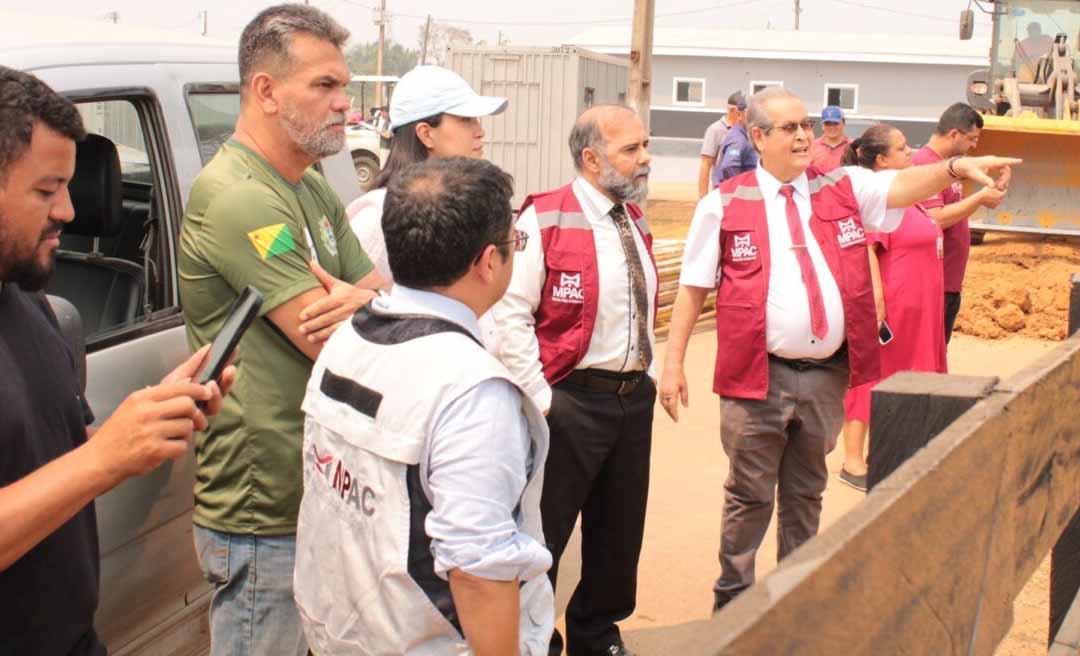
x=958, y=237
x=826, y=157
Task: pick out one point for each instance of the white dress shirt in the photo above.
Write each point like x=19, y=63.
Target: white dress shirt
x=614, y=343
x=475, y=466
x=787, y=314
x=365, y=219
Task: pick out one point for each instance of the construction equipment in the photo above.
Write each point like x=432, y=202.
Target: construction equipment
x=1030, y=102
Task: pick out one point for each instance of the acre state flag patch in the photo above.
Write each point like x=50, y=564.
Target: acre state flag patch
x=272, y=240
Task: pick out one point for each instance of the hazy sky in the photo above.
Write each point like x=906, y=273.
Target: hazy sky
x=548, y=22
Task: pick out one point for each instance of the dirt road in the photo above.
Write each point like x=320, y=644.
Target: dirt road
x=683, y=525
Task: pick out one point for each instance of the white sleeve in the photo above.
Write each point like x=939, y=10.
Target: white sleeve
x=477, y=468
x=872, y=192
x=365, y=219
x=514, y=314
x=701, y=258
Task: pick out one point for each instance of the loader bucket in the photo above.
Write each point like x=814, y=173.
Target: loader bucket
x=1044, y=195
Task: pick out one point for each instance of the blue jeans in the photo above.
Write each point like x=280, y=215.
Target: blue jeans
x=252, y=612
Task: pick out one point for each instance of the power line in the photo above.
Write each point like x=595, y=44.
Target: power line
x=564, y=23
x=898, y=12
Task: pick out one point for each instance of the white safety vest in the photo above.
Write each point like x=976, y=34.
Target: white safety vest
x=364, y=577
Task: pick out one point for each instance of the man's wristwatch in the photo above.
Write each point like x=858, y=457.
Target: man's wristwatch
x=950, y=165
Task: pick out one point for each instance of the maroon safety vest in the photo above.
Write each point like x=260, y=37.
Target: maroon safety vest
x=742, y=367
x=569, y=298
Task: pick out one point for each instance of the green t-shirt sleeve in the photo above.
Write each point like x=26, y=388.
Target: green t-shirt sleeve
x=250, y=238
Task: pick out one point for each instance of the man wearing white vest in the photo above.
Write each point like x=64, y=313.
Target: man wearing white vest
x=576, y=328
x=419, y=529
x=784, y=245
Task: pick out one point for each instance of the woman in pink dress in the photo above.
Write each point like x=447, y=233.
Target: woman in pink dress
x=909, y=287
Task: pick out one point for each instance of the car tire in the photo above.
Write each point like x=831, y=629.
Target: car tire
x=367, y=167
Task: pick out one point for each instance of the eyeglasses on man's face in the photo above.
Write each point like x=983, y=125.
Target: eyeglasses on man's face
x=520, y=239
x=791, y=127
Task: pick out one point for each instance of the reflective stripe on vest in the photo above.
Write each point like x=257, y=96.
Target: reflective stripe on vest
x=742, y=369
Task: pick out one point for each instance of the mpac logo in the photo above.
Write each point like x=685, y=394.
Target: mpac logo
x=569, y=289
x=743, y=249
x=341, y=480
x=851, y=233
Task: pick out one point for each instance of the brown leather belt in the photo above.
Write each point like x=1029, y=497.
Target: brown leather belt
x=612, y=382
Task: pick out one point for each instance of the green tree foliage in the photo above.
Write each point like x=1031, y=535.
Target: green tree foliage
x=442, y=37
x=361, y=58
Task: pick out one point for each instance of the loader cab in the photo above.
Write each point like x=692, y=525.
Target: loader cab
x=1025, y=35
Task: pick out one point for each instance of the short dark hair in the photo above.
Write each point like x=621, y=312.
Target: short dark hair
x=440, y=214
x=271, y=32
x=959, y=116
x=406, y=149
x=24, y=100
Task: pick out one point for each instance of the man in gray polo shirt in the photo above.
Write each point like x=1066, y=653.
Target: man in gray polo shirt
x=709, y=174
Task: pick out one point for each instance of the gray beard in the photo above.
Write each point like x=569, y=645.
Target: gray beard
x=621, y=187
x=318, y=142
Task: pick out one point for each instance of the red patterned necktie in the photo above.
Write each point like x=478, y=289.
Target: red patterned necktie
x=819, y=324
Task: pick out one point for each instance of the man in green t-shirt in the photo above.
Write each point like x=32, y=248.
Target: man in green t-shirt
x=259, y=215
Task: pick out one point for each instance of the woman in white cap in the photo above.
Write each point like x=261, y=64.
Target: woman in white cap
x=433, y=113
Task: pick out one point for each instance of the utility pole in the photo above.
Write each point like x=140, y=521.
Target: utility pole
x=380, y=20
x=797, y=12
x=641, y=41
x=427, y=36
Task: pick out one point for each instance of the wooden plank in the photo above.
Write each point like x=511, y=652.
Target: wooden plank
x=912, y=407
x=1065, y=557
x=931, y=562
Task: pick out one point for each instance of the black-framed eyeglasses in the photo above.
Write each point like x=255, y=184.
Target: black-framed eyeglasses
x=791, y=127
x=520, y=239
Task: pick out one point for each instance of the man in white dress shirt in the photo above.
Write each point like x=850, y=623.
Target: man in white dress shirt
x=785, y=248
x=576, y=329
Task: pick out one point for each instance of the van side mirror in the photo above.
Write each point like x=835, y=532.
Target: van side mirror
x=967, y=24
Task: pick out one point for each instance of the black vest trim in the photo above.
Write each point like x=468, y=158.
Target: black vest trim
x=344, y=390
x=421, y=560
x=391, y=329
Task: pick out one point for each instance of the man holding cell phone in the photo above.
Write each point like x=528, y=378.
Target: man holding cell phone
x=259, y=214
x=52, y=465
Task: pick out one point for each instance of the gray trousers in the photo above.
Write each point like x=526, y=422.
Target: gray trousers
x=777, y=445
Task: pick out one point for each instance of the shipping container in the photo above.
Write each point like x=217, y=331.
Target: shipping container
x=548, y=88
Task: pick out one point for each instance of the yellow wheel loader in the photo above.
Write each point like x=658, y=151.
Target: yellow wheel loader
x=1030, y=104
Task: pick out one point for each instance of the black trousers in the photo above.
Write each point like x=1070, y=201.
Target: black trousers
x=952, y=308
x=598, y=466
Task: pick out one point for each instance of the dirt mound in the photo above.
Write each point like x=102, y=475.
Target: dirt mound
x=1018, y=285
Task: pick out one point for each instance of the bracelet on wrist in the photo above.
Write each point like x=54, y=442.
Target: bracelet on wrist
x=950, y=166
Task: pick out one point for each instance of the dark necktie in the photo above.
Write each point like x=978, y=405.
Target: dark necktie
x=819, y=324
x=637, y=283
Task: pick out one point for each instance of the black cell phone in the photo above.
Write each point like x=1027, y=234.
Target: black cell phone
x=884, y=334
x=241, y=314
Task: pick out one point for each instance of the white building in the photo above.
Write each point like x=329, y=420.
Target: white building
x=906, y=80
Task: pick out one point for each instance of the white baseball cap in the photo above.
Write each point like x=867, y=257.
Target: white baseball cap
x=427, y=91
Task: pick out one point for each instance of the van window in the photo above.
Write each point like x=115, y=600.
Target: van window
x=214, y=116
x=113, y=268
